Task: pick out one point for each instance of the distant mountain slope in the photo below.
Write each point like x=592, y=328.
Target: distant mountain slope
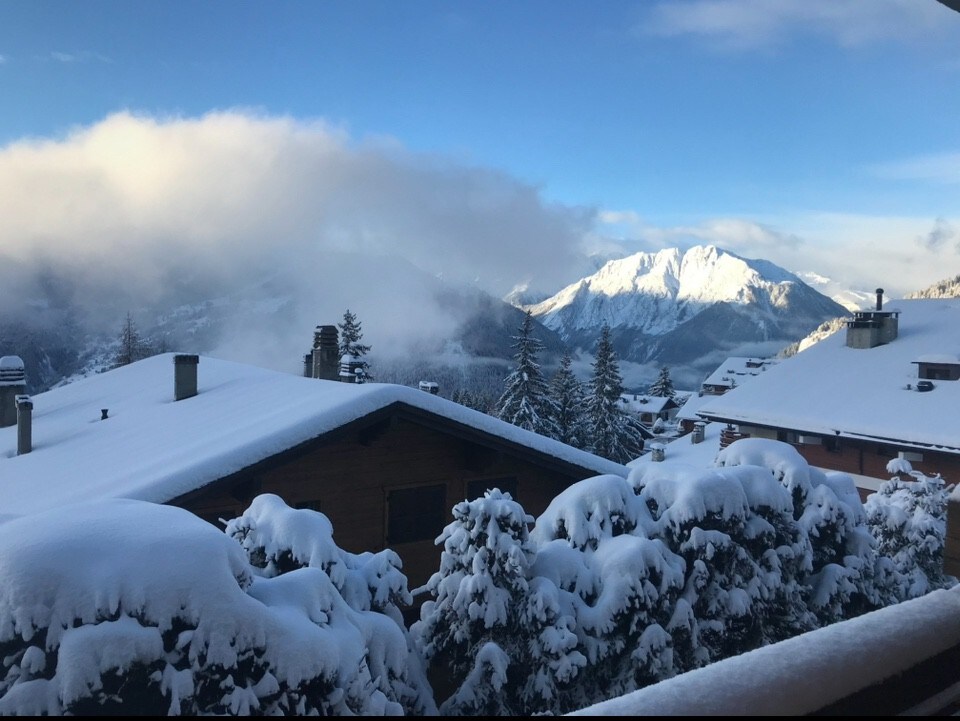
x=271, y=322
x=949, y=288
x=849, y=298
x=677, y=307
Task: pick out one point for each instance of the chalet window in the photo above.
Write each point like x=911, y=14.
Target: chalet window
x=788, y=437
x=507, y=484
x=416, y=514
x=311, y=505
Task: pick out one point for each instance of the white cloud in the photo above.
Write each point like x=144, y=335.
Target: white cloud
x=140, y=210
x=752, y=24
x=937, y=168
x=84, y=56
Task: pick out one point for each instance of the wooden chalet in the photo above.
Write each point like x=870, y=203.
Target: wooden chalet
x=385, y=463
x=887, y=388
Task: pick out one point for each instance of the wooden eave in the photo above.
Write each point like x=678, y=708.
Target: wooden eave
x=382, y=418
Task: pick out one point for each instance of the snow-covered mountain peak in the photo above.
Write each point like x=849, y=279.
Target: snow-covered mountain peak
x=656, y=291
x=679, y=306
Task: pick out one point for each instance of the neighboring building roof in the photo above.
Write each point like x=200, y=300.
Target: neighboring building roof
x=688, y=411
x=830, y=389
x=735, y=370
x=684, y=450
x=646, y=403
x=153, y=448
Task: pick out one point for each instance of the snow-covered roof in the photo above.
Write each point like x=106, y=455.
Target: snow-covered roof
x=947, y=358
x=831, y=389
x=153, y=448
x=644, y=402
x=684, y=450
x=736, y=369
x=688, y=411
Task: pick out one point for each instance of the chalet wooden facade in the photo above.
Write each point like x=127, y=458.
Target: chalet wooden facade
x=857, y=456
x=390, y=480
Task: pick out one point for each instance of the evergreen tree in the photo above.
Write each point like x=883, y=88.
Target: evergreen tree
x=133, y=346
x=487, y=627
x=351, y=335
x=567, y=394
x=614, y=434
x=909, y=520
x=526, y=401
x=662, y=387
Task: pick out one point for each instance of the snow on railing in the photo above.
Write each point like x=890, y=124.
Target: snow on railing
x=882, y=659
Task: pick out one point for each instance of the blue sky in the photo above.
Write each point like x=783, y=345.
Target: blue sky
x=784, y=129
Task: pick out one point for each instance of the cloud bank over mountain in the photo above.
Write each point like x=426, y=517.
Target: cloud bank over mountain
x=137, y=211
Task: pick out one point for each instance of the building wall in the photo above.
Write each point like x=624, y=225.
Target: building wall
x=350, y=481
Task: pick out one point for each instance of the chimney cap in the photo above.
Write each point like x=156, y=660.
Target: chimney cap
x=11, y=363
x=186, y=358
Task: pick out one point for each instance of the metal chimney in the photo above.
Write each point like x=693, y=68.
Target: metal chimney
x=657, y=452
x=13, y=383
x=24, y=425
x=879, y=298
x=185, y=376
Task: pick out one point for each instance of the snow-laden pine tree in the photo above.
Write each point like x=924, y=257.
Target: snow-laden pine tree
x=614, y=433
x=622, y=588
x=743, y=554
x=351, y=337
x=129, y=608
x=663, y=385
x=845, y=575
x=280, y=540
x=567, y=393
x=497, y=638
x=526, y=400
x=908, y=517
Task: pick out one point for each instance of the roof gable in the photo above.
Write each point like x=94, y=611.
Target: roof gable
x=153, y=448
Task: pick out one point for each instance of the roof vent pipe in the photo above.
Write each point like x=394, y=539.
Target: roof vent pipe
x=879, y=298
x=24, y=425
x=185, y=376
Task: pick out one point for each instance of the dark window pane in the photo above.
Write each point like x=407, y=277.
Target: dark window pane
x=415, y=514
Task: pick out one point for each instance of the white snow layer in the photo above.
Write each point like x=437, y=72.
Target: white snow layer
x=153, y=448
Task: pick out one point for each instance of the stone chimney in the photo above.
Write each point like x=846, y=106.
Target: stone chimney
x=698, y=430
x=24, y=425
x=325, y=357
x=657, y=452
x=13, y=383
x=870, y=328
x=185, y=376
